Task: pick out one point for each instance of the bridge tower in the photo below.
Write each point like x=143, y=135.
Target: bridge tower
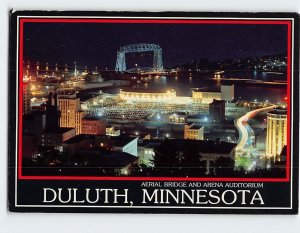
x=157, y=60
x=121, y=63
x=139, y=48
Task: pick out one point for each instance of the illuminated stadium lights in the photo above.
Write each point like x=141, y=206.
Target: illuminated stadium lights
x=147, y=96
x=142, y=110
x=142, y=105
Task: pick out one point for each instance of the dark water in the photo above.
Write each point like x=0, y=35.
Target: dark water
x=256, y=75
x=183, y=85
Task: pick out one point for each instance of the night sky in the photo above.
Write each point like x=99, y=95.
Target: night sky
x=97, y=44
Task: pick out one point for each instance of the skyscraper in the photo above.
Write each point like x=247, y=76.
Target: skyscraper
x=276, y=132
x=69, y=106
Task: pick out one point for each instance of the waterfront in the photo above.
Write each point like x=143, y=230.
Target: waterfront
x=183, y=85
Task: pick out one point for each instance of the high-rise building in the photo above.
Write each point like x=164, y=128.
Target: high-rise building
x=227, y=92
x=276, y=132
x=70, y=111
x=26, y=98
x=217, y=111
x=194, y=132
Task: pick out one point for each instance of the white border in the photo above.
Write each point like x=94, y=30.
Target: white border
x=159, y=207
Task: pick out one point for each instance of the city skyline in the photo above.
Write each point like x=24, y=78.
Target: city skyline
x=199, y=118
x=97, y=44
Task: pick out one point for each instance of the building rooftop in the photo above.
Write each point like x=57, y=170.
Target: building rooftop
x=206, y=89
x=58, y=130
x=150, y=143
x=118, y=159
x=66, y=91
x=203, y=146
x=92, y=118
x=279, y=111
x=118, y=141
x=217, y=102
x=122, y=140
x=110, y=159
x=32, y=114
x=79, y=138
x=196, y=127
x=148, y=90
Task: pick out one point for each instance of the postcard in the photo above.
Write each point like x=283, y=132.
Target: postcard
x=166, y=112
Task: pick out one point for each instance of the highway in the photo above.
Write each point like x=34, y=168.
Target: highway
x=243, y=127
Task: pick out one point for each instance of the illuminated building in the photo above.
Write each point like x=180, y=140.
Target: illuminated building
x=194, y=132
x=41, y=129
x=227, y=92
x=26, y=98
x=205, y=96
x=276, y=132
x=111, y=131
x=177, y=118
x=94, y=126
x=217, y=111
x=154, y=96
x=69, y=106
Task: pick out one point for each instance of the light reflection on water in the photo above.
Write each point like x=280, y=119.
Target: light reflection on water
x=183, y=86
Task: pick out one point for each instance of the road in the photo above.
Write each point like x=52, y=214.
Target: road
x=243, y=127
